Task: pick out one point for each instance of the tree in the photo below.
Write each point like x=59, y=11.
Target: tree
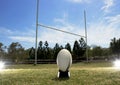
x=56, y=50
x=32, y=53
x=40, y=44
x=46, y=44
x=105, y=53
x=75, y=49
x=46, y=50
x=79, y=49
x=82, y=47
x=1, y=47
x=16, y=52
x=115, y=46
x=1, y=50
x=50, y=53
x=97, y=52
x=61, y=47
x=40, y=52
x=68, y=47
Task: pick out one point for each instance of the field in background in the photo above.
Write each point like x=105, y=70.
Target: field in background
x=101, y=73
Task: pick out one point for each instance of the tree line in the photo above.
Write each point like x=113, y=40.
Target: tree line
x=46, y=52
x=15, y=52
x=112, y=52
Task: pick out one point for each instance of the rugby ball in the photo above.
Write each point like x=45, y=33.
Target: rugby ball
x=64, y=60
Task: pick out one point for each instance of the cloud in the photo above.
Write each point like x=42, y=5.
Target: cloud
x=79, y=1
x=20, y=35
x=114, y=20
x=107, y=5
x=101, y=33
x=27, y=35
x=58, y=37
x=5, y=31
x=23, y=38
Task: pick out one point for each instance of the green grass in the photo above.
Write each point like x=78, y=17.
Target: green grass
x=45, y=74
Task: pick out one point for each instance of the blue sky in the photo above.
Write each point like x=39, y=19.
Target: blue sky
x=18, y=19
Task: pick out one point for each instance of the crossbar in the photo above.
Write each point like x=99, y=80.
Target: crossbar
x=54, y=28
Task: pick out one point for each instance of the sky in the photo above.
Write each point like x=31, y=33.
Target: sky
x=18, y=21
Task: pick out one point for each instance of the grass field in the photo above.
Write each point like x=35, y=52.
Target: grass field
x=45, y=74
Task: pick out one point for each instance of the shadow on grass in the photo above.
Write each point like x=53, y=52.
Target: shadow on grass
x=60, y=79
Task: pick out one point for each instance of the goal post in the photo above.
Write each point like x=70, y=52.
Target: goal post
x=56, y=29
